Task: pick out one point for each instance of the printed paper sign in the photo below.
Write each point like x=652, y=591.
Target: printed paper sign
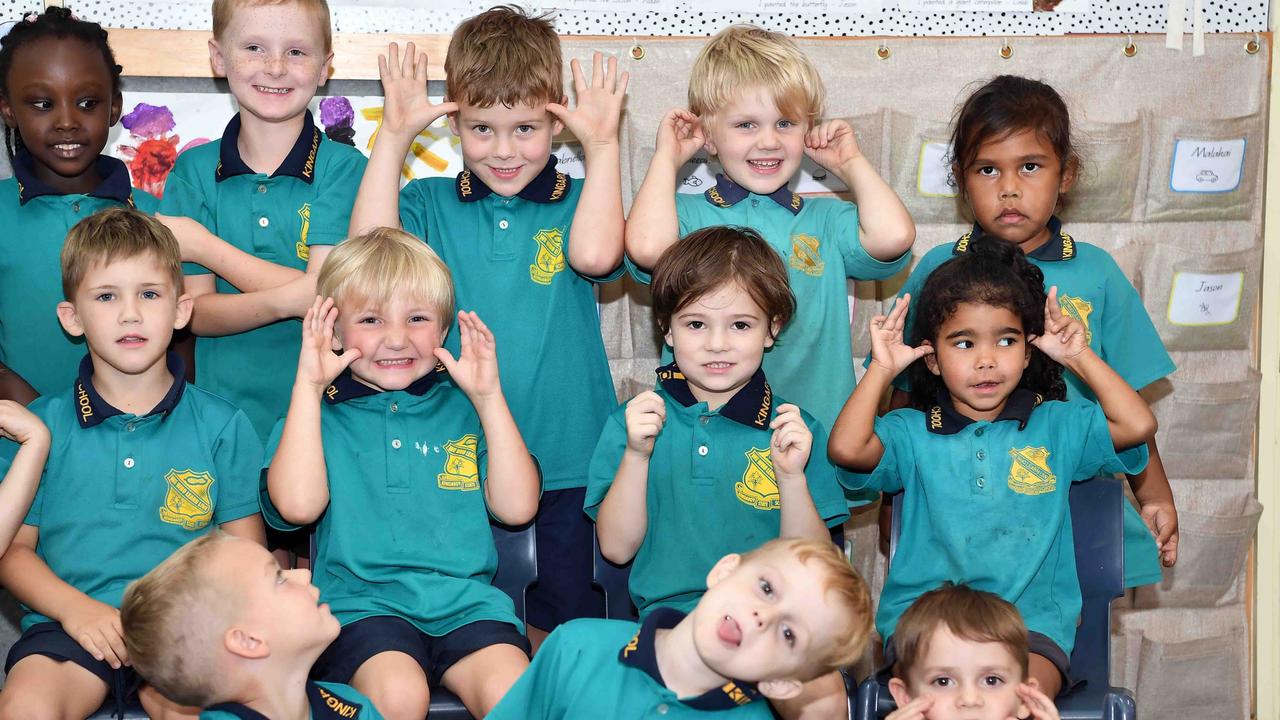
x=696, y=177
x=1205, y=298
x=813, y=178
x=611, y=5
x=1206, y=166
x=933, y=175
x=569, y=159
x=937, y=6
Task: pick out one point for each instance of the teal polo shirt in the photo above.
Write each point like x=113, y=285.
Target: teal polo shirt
x=986, y=503
x=812, y=361
x=328, y=701
x=591, y=669
x=1092, y=289
x=120, y=492
x=711, y=487
x=406, y=533
x=510, y=262
x=278, y=217
x=36, y=219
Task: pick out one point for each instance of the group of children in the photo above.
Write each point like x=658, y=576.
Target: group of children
x=394, y=369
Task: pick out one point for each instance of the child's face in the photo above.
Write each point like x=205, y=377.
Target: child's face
x=506, y=147
x=62, y=103
x=279, y=606
x=1013, y=187
x=968, y=680
x=719, y=341
x=759, y=147
x=396, y=340
x=127, y=311
x=273, y=57
x=980, y=353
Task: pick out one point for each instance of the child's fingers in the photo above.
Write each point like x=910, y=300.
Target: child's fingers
x=446, y=358
x=393, y=62
x=579, y=82
x=621, y=87
x=420, y=69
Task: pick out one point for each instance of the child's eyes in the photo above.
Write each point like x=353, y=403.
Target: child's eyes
x=253, y=48
x=788, y=636
x=367, y=321
x=480, y=129
x=988, y=171
x=745, y=125
x=41, y=104
x=1007, y=342
x=524, y=129
x=150, y=294
x=766, y=587
x=964, y=344
x=1030, y=167
x=787, y=124
x=297, y=53
x=419, y=319
x=942, y=682
x=993, y=681
x=695, y=324
x=105, y=297
x=88, y=103
x=742, y=325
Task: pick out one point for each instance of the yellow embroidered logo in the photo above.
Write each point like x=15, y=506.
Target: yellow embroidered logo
x=759, y=486
x=331, y=391
x=550, y=258
x=762, y=415
x=805, y=256
x=187, y=504
x=309, y=169
x=340, y=707
x=963, y=244
x=795, y=201
x=1068, y=246
x=460, y=469
x=86, y=406
x=716, y=197
x=464, y=184
x=1079, y=309
x=1030, y=473
x=304, y=212
x=735, y=693
x=562, y=182
x=935, y=417
x=632, y=645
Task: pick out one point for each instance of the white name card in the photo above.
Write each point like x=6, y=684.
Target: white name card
x=1206, y=166
x=933, y=174
x=1205, y=298
x=696, y=176
x=569, y=160
x=934, y=6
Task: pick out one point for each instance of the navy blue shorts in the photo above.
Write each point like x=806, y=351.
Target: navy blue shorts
x=365, y=638
x=563, y=590
x=1037, y=644
x=50, y=640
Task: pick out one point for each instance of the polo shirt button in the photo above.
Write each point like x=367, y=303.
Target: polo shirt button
x=982, y=482
x=978, y=432
x=982, y=454
x=262, y=188
x=75, y=207
x=396, y=443
x=755, y=202
x=131, y=427
x=504, y=224
x=702, y=450
x=394, y=407
x=662, y=709
x=263, y=221
x=128, y=463
x=706, y=420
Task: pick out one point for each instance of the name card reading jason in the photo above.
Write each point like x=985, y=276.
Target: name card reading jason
x=1205, y=298
x=1206, y=166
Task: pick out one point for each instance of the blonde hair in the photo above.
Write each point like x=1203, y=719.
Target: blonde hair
x=117, y=233
x=973, y=615
x=504, y=55
x=223, y=10
x=741, y=57
x=173, y=619
x=843, y=586
x=385, y=263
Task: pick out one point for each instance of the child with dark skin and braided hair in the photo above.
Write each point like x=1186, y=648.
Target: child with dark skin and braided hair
x=986, y=456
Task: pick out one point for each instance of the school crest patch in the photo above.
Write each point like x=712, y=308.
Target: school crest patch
x=1030, y=474
x=187, y=504
x=1079, y=309
x=805, y=256
x=304, y=250
x=759, y=486
x=550, y=259
x=460, y=469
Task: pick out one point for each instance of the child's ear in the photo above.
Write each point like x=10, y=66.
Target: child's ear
x=185, y=304
x=557, y=126
x=774, y=328
x=707, y=142
x=70, y=319
x=931, y=360
x=243, y=644
x=723, y=568
x=1069, y=172
x=1023, y=709
x=216, y=60
x=6, y=111
x=669, y=339
x=780, y=689
x=325, y=70
x=117, y=106
x=901, y=696
x=453, y=120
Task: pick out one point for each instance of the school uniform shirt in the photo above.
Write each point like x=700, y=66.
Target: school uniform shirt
x=36, y=219
x=120, y=492
x=1093, y=290
x=590, y=669
x=328, y=701
x=278, y=217
x=986, y=503
x=406, y=533
x=812, y=361
x=712, y=489
x=510, y=262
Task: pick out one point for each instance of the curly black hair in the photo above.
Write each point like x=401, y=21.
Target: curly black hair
x=56, y=22
x=996, y=273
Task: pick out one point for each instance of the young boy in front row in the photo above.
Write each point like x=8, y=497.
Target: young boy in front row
x=140, y=463
x=769, y=621
x=219, y=625
x=402, y=453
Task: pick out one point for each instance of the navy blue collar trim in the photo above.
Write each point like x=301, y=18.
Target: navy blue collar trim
x=727, y=193
x=1059, y=247
x=345, y=387
x=751, y=406
x=115, y=183
x=92, y=409
x=942, y=418
x=548, y=186
x=299, y=163
x=324, y=706
x=641, y=653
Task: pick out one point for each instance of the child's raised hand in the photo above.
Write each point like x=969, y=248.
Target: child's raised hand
x=406, y=108
x=596, y=118
x=318, y=364
x=476, y=368
x=20, y=425
x=645, y=415
x=887, y=347
x=791, y=442
x=1039, y=704
x=96, y=626
x=192, y=237
x=832, y=144
x=680, y=136
x=1064, y=337
x=1162, y=520
x=914, y=710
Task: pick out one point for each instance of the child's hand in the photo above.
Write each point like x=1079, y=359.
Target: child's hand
x=595, y=120
x=832, y=144
x=192, y=237
x=318, y=364
x=1162, y=520
x=645, y=414
x=887, y=348
x=20, y=425
x=917, y=709
x=476, y=369
x=1064, y=337
x=680, y=136
x=791, y=442
x=406, y=108
x=96, y=626
x=1041, y=707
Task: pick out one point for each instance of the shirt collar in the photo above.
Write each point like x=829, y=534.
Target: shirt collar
x=751, y=406
x=345, y=387
x=641, y=653
x=548, y=186
x=92, y=409
x=324, y=706
x=1059, y=247
x=299, y=163
x=728, y=193
x=942, y=418
x=115, y=183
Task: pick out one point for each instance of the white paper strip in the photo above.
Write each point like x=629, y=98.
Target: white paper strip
x=1173, y=24
x=1197, y=36
x=936, y=6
